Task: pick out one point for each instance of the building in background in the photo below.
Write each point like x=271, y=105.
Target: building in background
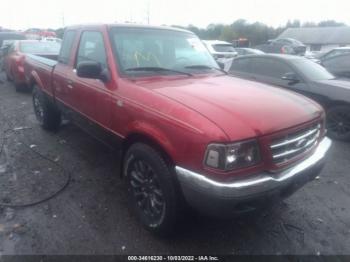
x=320, y=39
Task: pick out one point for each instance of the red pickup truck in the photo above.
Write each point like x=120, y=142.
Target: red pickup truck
x=189, y=133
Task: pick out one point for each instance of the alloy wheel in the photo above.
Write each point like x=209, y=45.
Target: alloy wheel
x=38, y=108
x=339, y=123
x=146, y=190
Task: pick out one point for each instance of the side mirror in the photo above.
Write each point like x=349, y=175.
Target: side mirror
x=292, y=78
x=92, y=70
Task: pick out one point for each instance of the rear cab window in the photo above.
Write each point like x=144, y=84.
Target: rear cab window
x=67, y=46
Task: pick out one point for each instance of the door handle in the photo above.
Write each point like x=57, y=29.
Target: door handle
x=70, y=83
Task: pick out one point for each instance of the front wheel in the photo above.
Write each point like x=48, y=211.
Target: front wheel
x=153, y=189
x=45, y=111
x=338, y=122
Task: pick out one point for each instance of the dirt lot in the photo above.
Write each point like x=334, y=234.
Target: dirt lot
x=91, y=216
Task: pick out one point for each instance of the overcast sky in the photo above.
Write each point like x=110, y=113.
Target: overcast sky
x=23, y=14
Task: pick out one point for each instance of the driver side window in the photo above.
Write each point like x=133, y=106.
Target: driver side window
x=92, y=48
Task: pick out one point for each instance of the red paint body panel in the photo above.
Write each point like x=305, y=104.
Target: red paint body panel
x=182, y=114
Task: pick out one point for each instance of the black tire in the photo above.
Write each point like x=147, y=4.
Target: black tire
x=19, y=88
x=338, y=122
x=153, y=189
x=45, y=111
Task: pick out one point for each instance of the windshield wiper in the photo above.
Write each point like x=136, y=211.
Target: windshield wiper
x=206, y=67
x=157, y=69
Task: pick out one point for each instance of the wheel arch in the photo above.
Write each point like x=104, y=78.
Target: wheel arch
x=34, y=79
x=142, y=137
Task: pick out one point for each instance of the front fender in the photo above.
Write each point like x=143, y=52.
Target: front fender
x=154, y=133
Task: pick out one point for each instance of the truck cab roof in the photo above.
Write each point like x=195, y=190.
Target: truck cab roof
x=128, y=25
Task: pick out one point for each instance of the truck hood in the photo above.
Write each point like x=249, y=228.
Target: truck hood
x=242, y=109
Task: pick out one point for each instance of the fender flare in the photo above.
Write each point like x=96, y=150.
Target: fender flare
x=153, y=134
x=35, y=79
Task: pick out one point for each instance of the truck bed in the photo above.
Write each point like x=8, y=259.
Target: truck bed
x=40, y=67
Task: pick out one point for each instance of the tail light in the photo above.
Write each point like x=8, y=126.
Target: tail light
x=20, y=59
x=20, y=62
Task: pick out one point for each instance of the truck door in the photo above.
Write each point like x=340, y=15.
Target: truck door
x=62, y=88
x=92, y=97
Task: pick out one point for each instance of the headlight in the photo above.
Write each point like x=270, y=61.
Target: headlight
x=232, y=156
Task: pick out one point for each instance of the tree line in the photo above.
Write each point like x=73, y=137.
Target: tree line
x=256, y=33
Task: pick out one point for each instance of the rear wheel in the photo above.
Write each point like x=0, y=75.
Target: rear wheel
x=45, y=111
x=19, y=87
x=338, y=122
x=153, y=189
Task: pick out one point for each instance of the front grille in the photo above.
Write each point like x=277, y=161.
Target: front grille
x=294, y=144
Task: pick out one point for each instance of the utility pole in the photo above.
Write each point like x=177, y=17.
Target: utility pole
x=63, y=20
x=148, y=10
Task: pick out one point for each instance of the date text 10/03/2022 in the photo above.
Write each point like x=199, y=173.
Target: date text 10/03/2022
x=173, y=258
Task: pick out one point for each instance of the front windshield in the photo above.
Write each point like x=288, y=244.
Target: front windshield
x=38, y=47
x=140, y=48
x=312, y=70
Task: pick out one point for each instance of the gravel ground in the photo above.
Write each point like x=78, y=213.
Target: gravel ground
x=91, y=216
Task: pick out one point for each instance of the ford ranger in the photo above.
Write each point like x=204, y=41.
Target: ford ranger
x=189, y=133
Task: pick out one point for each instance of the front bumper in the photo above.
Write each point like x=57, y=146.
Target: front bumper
x=215, y=197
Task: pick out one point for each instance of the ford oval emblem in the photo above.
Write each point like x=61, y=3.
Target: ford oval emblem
x=302, y=142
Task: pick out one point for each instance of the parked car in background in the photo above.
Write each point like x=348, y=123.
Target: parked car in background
x=14, y=59
x=38, y=34
x=283, y=46
x=248, y=51
x=334, y=52
x=6, y=39
x=338, y=65
x=313, y=56
x=223, y=52
x=319, y=57
x=10, y=36
x=301, y=75
x=186, y=131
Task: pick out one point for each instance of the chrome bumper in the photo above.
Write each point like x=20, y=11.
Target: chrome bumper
x=257, y=184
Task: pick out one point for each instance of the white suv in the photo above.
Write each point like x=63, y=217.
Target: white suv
x=223, y=52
